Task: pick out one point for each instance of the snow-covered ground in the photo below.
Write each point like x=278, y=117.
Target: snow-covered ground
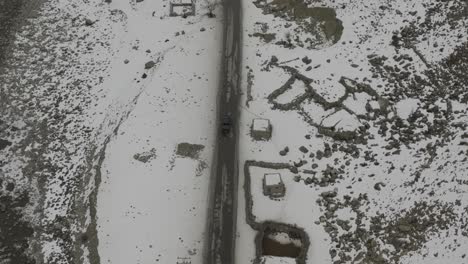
x=381, y=174
x=155, y=210
x=101, y=94
x=107, y=121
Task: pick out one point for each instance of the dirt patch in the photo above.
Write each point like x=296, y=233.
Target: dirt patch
x=271, y=247
x=314, y=27
x=145, y=156
x=267, y=37
x=269, y=244
x=189, y=150
x=274, y=247
x=299, y=11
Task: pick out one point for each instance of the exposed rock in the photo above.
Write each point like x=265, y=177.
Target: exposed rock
x=303, y=149
x=300, y=163
x=4, y=143
x=378, y=186
x=329, y=194
x=89, y=22
x=284, y=151
x=145, y=156
x=294, y=170
x=274, y=59
x=149, y=65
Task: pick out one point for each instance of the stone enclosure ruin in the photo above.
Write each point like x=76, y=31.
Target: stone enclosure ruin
x=331, y=123
x=183, y=9
x=273, y=238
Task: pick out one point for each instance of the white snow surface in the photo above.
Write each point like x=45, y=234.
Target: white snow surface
x=406, y=107
x=156, y=211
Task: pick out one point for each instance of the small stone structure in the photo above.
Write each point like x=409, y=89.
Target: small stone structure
x=261, y=129
x=186, y=9
x=273, y=185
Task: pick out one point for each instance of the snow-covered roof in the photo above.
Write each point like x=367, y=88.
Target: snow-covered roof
x=260, y=124
x=272, y=179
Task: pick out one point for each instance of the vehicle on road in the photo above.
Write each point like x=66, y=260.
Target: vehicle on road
x=226, y=125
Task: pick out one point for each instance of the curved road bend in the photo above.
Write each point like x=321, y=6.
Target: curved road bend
x=223, y=208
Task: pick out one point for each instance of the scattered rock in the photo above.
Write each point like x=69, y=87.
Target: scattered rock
x=319, y=154
x=294, y=170
x=378, y=186
x=4, y=143
x=10, y=186
x=273, y=59
x=145, y=156
x=89, y=22
x=149, y=65
x=329, y=194
x=284, y=151
x=303, y=149
x=300, y=163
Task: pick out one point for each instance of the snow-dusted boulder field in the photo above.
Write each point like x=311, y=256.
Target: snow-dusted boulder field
x=368, y=103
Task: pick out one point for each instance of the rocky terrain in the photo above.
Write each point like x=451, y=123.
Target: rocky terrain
x=368, y=102
x=71, y=75
x=375, y=122
x=51, y=133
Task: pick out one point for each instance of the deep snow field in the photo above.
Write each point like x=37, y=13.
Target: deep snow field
x=371, y=114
